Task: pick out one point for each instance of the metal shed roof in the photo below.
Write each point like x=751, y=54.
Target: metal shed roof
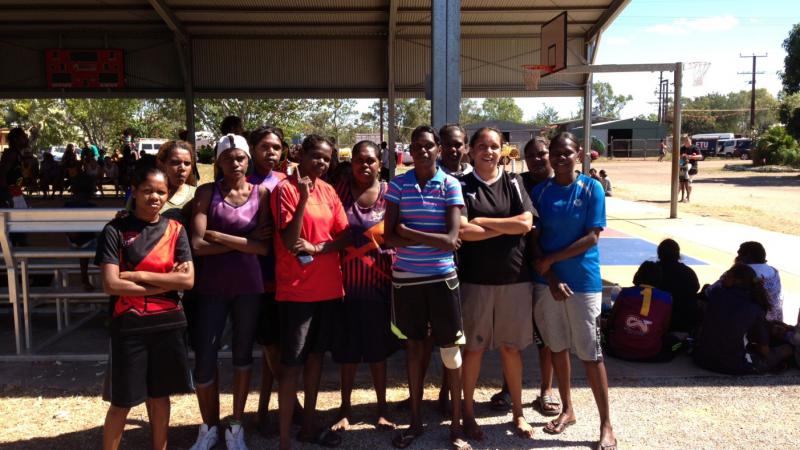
x=292, y=48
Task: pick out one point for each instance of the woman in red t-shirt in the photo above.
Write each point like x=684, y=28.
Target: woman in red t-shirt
x=312, y=228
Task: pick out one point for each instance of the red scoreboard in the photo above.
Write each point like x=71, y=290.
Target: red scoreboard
x=85, y=68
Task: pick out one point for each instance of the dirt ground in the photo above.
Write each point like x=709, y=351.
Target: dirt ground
x=770, y=201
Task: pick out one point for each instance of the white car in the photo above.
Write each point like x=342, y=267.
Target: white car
x=149, y=145
x=57, y=152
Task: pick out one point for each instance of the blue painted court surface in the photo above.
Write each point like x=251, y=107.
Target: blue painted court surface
x=631, y=251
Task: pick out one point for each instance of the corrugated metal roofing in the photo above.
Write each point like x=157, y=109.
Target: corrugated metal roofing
x=348, y=37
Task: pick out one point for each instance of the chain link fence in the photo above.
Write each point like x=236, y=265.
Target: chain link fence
x=636, y=148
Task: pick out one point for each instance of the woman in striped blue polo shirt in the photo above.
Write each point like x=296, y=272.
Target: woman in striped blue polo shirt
x=423, y=212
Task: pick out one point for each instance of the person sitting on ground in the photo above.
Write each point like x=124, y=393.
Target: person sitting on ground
x=753, y=254
x=30, y=172
x=593, y=174
x=605, y=182
x=735, y=335
x=681, y=282
x=640, y=319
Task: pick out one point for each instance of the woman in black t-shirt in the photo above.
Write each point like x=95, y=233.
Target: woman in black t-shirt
x=145, y=259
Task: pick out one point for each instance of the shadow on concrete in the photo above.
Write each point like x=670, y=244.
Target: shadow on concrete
x=753, y=181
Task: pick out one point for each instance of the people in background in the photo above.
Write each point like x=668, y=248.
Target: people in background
x=11, y=165
x=605, y=182
x=753, y=254
x=685, y=178
x=662, y=150
x=82, y=189
x=734, y=337
x=51, y=176
x=681, y=282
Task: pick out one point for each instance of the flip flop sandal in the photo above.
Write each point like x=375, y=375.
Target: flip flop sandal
x=558, y=428
x=325, y=438
x=460, y=444
x=500, y=401
x=607, y=446
x=539, y=405
x=403, y=439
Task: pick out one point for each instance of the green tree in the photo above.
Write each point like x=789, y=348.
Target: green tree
x=101, y=120
x=776, y=146
x=471, y=111
x=546, y=116
x=730, y=112
x=604, y=102
x=160, y=118
x=289, y=114
x=501, y=109
x=44, y=119
x=791, y=63
x=789, y=113
x=333, y=117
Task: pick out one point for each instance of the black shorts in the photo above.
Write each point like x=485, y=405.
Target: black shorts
x=143, y=366
x=364, y=335
x=432, y=306
x=269, y=329
x=307, y=327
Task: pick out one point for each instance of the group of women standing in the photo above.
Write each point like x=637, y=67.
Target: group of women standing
x=303, y=267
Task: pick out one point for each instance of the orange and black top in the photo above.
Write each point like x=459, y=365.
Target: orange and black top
x=136, y=245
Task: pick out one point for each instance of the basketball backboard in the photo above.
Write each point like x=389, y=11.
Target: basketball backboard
x=553, y=51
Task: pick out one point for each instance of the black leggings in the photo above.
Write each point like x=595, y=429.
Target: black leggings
x=210, y=315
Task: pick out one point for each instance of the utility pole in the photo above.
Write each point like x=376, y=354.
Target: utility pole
x=752, y=87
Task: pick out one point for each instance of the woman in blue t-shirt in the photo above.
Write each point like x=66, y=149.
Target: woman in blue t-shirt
x=568, y=288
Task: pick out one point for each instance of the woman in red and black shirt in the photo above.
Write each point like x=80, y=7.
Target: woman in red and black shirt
x=145, y=259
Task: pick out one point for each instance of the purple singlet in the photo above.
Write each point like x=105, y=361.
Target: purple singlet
x=234, y=272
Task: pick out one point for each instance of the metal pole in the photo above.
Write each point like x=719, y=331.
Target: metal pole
x=445, y=61
x=587, y=125
x=390, y=88
x=753, y=98
x=380, y=113
x=676, y=141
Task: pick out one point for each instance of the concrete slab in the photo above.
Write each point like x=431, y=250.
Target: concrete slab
x=709, y=240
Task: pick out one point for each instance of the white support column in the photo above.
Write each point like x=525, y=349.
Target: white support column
x=676, y=141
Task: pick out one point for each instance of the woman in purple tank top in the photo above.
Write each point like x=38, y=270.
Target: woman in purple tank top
x=231, y=227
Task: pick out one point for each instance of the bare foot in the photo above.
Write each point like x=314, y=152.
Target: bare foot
x=342, y=425
x=472, y=430
x=522, y=428
x=607, y=439
x=384, y=423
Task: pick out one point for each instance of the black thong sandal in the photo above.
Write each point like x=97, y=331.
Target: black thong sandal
x=325, y=438
x=404, y=438
x=500, y=401
x=556, y=427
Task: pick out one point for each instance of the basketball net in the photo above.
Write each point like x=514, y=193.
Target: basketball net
x=532, y=74
x=699, y=70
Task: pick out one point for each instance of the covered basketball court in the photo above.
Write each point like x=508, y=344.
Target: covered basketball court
x=385, y=49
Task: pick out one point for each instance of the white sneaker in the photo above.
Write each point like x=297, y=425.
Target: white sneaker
x=206, y=438
x=234, y=438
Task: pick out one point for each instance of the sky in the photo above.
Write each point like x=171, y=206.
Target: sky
x=667, y=31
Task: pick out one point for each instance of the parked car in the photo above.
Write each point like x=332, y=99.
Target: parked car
x=57, y=151
x=742, y=149
x=149, y=145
